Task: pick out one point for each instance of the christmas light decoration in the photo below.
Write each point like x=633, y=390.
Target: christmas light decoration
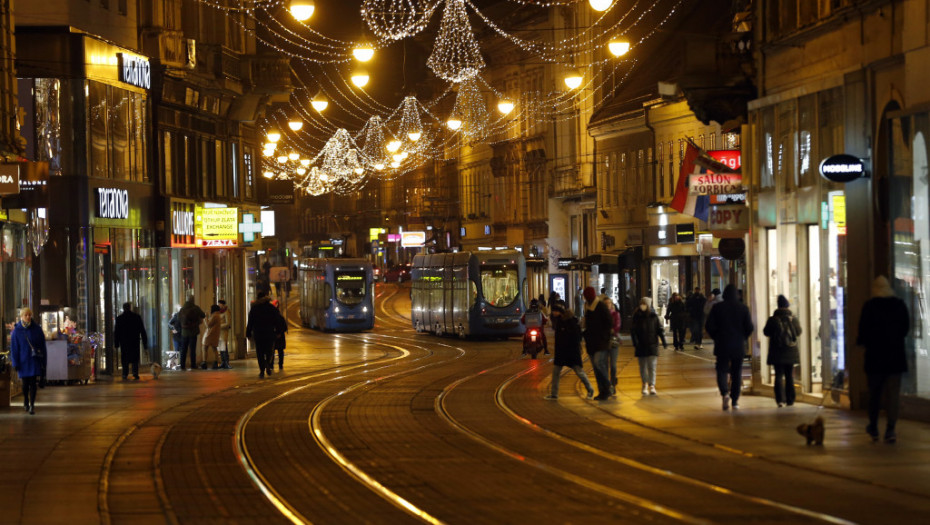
x=373, y=149
x=397, y=19
x=471, y=108
x=456, y=56
x=302, y=9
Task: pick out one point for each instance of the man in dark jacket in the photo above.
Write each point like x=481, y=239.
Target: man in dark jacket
x=783, y=329
x=262, y=327
x=190, y=316
x=883, y=326
x=695, y=306
x=127, y=333
x=729, y=325
x=597, y=327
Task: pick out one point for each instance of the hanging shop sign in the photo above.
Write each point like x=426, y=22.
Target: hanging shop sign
x=9, y=179
x=249, y=227
x=412, y=239
x=732, y=218
x=732, y=249
x=182, y=225
x=565, y=263
x=112, y=203
x=715, y=183
x=135, y=70
x=216, y=227
x=684, y=233
x=843, y=168
x=279, y=192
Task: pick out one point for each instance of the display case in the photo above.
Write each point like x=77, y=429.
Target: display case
x=51, y=319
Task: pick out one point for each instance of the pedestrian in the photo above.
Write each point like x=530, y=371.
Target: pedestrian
x=714, y=298
x=614, y=345
x=225, y=330
x=128, y=331
x=695, y=306
x=190, y=317
x=579, y=303
x=174, y=323
x=729, y=325
x=28, y=356
x=646, y=331
x=783, y=330
x=211, y=336
x=262, y=324
x=597, y=323
x=280, y=343
x=677, y=317
x=883, y=326
x=567, y=349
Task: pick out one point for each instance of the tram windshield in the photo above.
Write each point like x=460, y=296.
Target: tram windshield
x=500, y=284
x=350, y=287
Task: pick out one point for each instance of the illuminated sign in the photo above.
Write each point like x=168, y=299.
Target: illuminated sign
x=349, y=278
x=684, y=233
x=393, y=237
x=838, y=205
x=248, y=227
x=842, y=168
x=135, y=70
x=182, y=224
x=732, y=158
x=112, y=203
x=412, y=239
x=712, y=183
x=216, y=227
x=373, y=233
x=734, y=217
x=9, y=179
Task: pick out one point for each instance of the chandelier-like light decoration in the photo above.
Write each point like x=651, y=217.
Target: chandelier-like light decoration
x=472, y=110
x=374, y=151
x=397, y=19
x=456, y=56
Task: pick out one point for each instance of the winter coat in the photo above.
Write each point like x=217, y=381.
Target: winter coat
x=597, y=325
x=214, y=323
x=713, y=301
x=21, y=353
x=175, y=324
x=614, y=323
x=663, y=293
x=883, y=325
x=729, y=325
x=127, y=333
x=190, y=316
x=280, y=342
x=567, y=341
x=780, y=354
x=677, y=315
x=646, y=332
x=225, y=325
x=695, y=305
x=263, y=321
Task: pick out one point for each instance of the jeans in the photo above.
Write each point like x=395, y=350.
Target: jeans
x=647, y=369
x=784, y=384
x=557, y=374
x=612, y=363
x=678, y=337
x=697, y=330
x=601, y=374
x=730, y=376
x=189, y=346
x=890, y=386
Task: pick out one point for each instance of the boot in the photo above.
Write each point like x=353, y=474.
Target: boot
x=225, y=355
x=216, y=365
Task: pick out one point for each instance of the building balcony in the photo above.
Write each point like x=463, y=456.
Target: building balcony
x=568, y=183
x=269, y=75
x=167, y=46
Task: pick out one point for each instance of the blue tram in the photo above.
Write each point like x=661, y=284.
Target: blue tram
x=336, y=294
x=469, y=293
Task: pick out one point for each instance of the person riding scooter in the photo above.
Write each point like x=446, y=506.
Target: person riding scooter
x=534, y=318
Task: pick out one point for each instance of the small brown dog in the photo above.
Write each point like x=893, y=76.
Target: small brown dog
x=813, y=431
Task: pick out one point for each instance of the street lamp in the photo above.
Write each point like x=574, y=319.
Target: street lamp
x=618, y=46
x=393, y=146
x=363, y=52
x=293, y=156
x=302, y=9
x=600, y=5
x=295, y=124
x=573, y=79
x=319, y=102
x=273, y=135
x=454, y=123
x=505, y=106
x=414, y=135
x=360, y=78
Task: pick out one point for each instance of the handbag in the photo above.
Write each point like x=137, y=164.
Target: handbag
x=37, y=355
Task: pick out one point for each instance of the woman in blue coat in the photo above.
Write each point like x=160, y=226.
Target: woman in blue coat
x=28, y=355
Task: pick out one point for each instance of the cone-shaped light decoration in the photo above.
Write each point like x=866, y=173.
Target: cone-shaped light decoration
x=455, y=56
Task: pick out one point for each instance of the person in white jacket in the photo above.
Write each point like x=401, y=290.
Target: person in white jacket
x=225, y=333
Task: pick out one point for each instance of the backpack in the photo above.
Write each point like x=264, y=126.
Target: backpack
x=786, y=337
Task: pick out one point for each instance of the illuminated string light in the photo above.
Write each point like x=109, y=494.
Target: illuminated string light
x=456, y=56
x=397, y=19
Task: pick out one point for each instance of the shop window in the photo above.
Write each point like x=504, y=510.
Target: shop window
x=786, y=169
x=98, y=154
x=767, y=169
x=807, y=122
x=118, y=136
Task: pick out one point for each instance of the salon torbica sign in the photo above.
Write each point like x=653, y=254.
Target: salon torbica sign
x=135, y=70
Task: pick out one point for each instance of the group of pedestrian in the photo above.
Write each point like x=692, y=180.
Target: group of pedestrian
x=186, y=326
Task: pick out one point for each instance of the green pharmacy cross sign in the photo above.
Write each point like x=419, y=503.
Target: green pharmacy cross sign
x=248, y=227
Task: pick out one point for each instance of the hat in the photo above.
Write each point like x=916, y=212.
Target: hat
x=646, y=301
x=589, y=294
x=783, y=302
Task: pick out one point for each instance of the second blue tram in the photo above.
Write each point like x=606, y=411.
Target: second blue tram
x=469, y=293
x=336, y=294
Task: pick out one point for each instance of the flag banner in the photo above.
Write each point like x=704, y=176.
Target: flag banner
x=685, y=202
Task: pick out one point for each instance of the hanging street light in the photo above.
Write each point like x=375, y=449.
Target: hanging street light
x=282, y=159
x=414, y=135
x=295, y=124
x=363, y=51
x=302, y=9
x=454, y=123
x=618, y=46
x=268, y=175
x=319, y=102
x=505, y=106
x=273, y=135
x=293, y=156
x=573, y=79
x=600, y=5
x=393, y=146
x=360, y=78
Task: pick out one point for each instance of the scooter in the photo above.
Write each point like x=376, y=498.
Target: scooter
x=532, y=342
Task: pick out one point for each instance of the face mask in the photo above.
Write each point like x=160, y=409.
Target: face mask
x=642, y=307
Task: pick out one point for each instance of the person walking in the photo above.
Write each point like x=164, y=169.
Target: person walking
x=614, y=345
x=211, y=336
x=190, y=317
x=695, y=307
x=225, y=331
x=567, y=349
x=128, y=331
x=677, y=317
x=262, y=324
x=646, y=331
x=280, y=343
x=597, y=323
x=729, y=324
x=883, y=326
x=28, y=356
x=783, y=330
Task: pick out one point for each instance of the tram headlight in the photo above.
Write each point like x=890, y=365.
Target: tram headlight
x=336, y=309
x=365, y=309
